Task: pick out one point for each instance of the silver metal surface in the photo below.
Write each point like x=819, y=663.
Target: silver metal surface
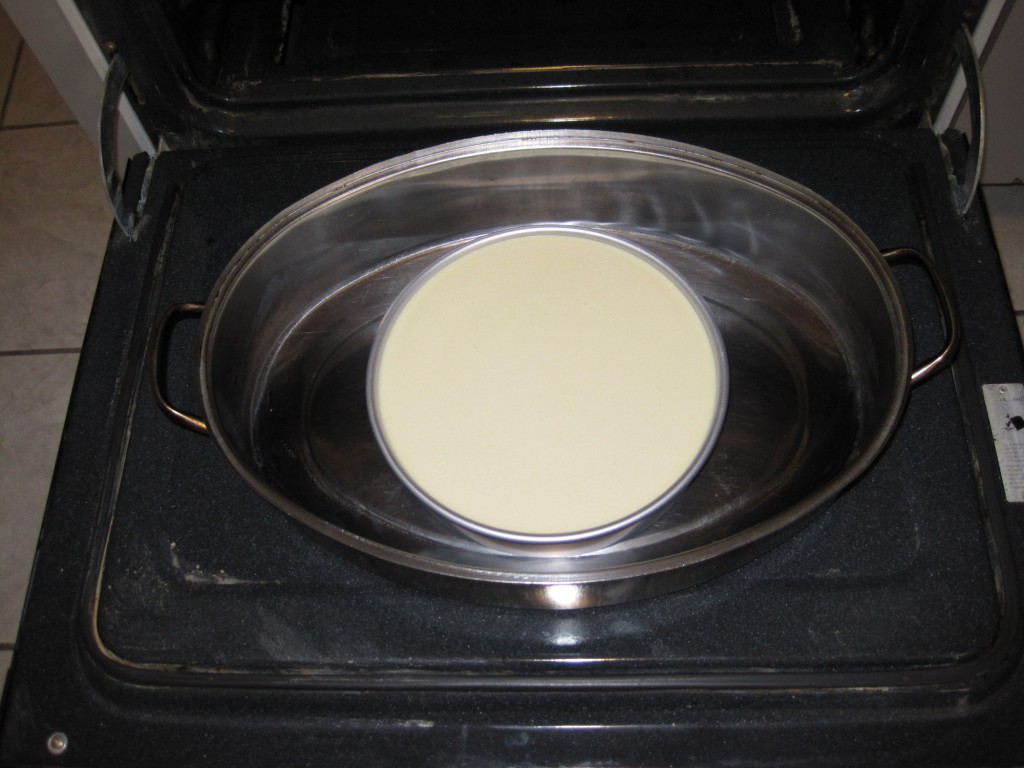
x=576, y=542
x=1005, y=406
x=57, y=743
x=812, y=321
x=154, y=366
x=951, y=321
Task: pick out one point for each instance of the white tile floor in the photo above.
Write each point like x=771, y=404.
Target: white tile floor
x=54, y=223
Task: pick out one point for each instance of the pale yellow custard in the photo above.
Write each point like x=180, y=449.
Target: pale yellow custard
x=546, y=383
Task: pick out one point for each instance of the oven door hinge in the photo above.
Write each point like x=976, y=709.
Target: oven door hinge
x=965, y=191
x=129, y=220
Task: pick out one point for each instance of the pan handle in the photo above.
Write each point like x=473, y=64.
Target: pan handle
x=154, y=364
x=949, y=316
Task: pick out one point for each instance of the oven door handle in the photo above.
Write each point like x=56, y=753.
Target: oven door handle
x=155, y=366
x=113, y=87
x=950, y=319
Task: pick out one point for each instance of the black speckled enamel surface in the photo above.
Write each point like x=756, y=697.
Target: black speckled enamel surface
x=202, y=572
x=173, y=606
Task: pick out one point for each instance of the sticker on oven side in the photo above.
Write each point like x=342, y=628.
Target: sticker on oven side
x=1005, y=405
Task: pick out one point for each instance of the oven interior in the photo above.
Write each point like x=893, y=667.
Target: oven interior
x=238, y=44
x=217, y=71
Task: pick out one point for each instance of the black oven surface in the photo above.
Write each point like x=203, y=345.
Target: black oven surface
x=177, y=617
x=853, y=584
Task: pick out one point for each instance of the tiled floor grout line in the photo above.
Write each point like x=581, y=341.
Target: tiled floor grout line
x=27, y=126
x=9, y=85
x=50, y=351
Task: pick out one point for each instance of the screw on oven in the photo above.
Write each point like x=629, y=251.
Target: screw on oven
x=57, y=743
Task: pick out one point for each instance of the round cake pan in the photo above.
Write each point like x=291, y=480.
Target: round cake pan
x=547, y=388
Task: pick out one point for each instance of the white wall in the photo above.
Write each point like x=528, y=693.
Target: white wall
x=1003, y=82
x=1004, y=88
x=60, y=40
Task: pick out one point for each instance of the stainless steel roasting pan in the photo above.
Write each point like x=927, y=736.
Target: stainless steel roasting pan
x=813, y=323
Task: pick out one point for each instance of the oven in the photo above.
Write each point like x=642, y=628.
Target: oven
x=177, y=617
